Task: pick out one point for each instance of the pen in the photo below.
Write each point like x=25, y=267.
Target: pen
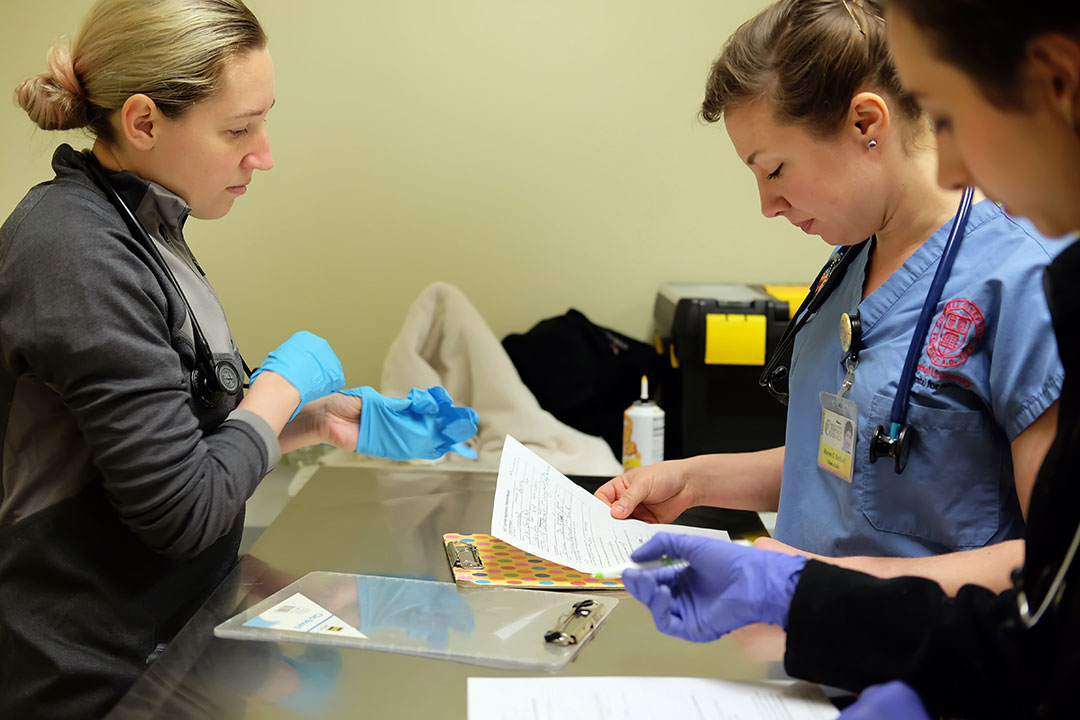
x=617, y=570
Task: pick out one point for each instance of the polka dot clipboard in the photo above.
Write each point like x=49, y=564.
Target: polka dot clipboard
x=479, y=559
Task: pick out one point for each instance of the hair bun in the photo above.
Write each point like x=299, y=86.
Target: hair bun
x=55, y=100
x=62, y=68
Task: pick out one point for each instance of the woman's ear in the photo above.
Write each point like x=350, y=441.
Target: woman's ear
x=139, y=118
x=868, y=117
x=1054, y=71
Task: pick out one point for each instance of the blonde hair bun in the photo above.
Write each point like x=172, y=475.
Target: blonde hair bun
x=54, y=100
x=173, y=51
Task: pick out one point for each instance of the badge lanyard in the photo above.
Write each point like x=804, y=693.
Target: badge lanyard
x=839, y=413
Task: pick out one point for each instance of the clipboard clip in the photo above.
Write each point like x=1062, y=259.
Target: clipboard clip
x=463, y=555
x=575, y=626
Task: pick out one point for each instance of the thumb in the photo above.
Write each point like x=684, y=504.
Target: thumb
x=630, y=498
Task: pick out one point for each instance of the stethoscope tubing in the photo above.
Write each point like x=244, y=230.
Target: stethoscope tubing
x=203, y=354
x=898, y=414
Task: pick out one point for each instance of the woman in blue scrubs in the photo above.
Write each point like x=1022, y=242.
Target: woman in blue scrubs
x=811, y=103
x=1002, y=82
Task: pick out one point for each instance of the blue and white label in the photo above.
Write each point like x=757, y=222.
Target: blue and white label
x=299, y=614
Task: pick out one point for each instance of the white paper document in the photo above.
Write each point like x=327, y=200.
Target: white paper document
x=540, y=511
x=644, y=698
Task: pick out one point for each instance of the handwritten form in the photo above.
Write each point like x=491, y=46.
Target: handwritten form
x=540, y=511
x=644, y=698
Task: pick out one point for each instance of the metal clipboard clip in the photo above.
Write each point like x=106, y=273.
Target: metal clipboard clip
x=576, y=626
x=463, y=555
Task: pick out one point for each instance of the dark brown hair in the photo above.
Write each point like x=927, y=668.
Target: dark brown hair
x=987, y=39
x=808, y=58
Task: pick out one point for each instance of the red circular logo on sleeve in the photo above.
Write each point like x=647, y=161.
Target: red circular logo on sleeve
x=956, y=334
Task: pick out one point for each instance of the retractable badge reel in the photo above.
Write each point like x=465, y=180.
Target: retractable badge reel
x=839, y=413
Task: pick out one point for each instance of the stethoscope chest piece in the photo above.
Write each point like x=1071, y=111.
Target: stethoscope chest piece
x=898, y=448
x=213, y=389
x=228, y=379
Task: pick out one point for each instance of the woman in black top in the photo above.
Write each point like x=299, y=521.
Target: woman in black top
x=1001, y=81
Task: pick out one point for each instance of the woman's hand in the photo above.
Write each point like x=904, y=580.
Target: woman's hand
x=424, y=425
x=655, y=493
x=332, y=419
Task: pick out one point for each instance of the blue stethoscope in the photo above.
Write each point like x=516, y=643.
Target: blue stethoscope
x=896, y=441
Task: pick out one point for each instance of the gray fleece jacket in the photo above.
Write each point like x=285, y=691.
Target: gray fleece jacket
x=121, y=493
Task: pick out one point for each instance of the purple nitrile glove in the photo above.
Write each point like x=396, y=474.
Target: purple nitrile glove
x=889, y=701
x=724, y=587
x=308, y=363
x=425, y=425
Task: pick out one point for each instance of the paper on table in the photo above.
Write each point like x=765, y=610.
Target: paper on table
x=539, y=510
x=644, y=698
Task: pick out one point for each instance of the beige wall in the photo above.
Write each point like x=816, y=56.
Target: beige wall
x=538, y=155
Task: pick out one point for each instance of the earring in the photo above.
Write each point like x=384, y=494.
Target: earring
x=872, y=144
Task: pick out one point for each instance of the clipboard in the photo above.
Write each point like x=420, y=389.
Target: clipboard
x=505, y=628
x=485, y=561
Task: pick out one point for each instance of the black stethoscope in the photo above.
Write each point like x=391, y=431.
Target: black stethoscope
x=896, y=442
x=1053, y=594
x=211, y=380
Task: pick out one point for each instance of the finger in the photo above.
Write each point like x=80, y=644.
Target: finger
x=631, y=496
x=462, y=620
x=421, y=401
x=666, y=621
x=458, y=425
x=607, y=492
x=665, y=575
x=439, y=395
x=640, y=584
x=439, y=638
x=464, y=450
x=656, y=547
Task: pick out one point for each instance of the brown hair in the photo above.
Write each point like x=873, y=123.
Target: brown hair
x=173, y=51
x=987, y=39
x=808, y=58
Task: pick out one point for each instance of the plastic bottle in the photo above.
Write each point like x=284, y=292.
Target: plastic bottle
x=643, y=431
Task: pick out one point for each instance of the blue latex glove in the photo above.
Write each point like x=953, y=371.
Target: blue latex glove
x=308, y=363
x=424, y=425
x=890, y=701
x=725, y=586
x=318, y=669
x=426, y=611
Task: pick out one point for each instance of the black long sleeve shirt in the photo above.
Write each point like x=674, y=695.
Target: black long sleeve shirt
x=967, y=656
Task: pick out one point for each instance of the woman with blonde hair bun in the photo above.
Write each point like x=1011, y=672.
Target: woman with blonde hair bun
x=127, y=443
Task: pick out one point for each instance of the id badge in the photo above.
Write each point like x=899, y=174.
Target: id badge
x=839, y=434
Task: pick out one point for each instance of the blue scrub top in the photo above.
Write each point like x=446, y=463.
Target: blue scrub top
x=988, y=369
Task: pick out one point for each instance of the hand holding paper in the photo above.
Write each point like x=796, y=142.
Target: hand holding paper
x=539, y=510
